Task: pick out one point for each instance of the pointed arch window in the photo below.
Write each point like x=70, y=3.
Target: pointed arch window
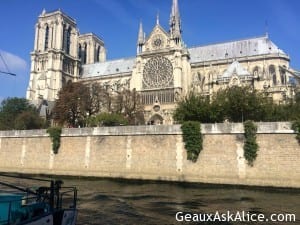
x=282, y=76
x=79, y=51
x=46, y=38
x=84, y=53
x=98, y=54
x=273, y=74
x=68, y=40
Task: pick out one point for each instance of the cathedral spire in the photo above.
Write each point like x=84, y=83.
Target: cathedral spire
x=175, y=22
x=141, y=34
x=141, y=38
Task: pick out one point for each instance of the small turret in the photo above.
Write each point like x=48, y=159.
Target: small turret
x=175, y=23
x=141, y=39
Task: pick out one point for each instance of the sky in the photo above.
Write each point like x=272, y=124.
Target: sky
x=117, y=23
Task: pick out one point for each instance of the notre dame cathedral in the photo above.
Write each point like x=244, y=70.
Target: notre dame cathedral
x=163, y=70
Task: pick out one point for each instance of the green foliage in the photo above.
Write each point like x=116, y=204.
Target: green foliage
x=29, y=120
x=79, y=104
x=296, y=128
x=193, y=108
x=70, y=108
x=192, y=137
x=107, y=119
x=18, y=113
x=236, y=104
x=250, y=145
x=55, y=133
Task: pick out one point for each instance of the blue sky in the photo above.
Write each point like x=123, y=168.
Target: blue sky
x=117, y=21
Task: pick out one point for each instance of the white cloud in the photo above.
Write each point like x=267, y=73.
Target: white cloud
x=13, y=62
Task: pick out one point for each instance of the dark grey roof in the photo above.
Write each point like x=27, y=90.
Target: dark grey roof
x=234, y=49
x=108, y=68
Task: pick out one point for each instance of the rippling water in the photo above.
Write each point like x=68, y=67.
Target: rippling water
x=110, y=202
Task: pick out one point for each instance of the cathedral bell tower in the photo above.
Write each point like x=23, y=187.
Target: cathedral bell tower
x=162, y=66
x=54, y=58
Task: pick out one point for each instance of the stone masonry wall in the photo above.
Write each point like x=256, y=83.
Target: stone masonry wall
x=157, y=152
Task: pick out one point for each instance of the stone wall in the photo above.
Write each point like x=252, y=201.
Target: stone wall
x=157, y=152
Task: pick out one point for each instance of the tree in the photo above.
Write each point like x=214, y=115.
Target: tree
x=236, y=104
x=79, y=104
x=128, y=104
x=241, y=103
x=18, y=113
x=193, y=107
x=72, y=105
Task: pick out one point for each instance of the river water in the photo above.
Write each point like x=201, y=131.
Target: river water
x=110, y=202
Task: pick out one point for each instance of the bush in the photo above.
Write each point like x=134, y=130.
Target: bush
x=18, y=113
x=107, y=119
x=296, y=128
x=192, y=137
x=55, y=133
x=28, y=120
x=250, y=145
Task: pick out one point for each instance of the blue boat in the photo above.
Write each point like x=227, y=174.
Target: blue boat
x=45, y=205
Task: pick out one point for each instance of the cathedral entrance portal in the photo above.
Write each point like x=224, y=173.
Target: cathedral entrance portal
x=155, y=120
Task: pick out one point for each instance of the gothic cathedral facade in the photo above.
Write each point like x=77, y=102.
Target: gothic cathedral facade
x=163, y=70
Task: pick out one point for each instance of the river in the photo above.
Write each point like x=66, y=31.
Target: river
x=112, y=202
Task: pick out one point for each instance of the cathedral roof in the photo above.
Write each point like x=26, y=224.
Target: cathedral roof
x=220, y=51
x=234, y=49
x=108, y=68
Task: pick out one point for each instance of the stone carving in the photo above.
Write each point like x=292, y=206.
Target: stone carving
x=158, y=41
x=158, y=73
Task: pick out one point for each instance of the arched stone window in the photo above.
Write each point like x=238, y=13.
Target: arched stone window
x=46, y=37
x=256, y=71
x=282, y=76
x=79, y=51
x=68, y=41
x=98, y=54
x=84, y=53
x=272, y=73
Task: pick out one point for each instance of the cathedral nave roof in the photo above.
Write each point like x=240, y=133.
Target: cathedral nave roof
x=234, y=49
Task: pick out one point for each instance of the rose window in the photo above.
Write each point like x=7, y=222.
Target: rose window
x=158, y=73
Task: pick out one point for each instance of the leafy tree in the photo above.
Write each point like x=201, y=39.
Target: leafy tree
x=18, y=113
x=241, y=103
x=79, y=104
x=128, y=104
x=193, y=107
x=72, y=104
x=29, y=120
x=236, y=104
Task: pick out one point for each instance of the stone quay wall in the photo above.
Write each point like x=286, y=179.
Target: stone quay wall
x=157, y=153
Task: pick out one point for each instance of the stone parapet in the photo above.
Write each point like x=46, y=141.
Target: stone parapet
x=211, y=128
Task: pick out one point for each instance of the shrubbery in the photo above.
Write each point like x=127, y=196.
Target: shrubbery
x=296, y=128
x=192, y=137
x=250, y=145
x=19, y=114
x=107, y=119
x=54, y=133
x=235, y=104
